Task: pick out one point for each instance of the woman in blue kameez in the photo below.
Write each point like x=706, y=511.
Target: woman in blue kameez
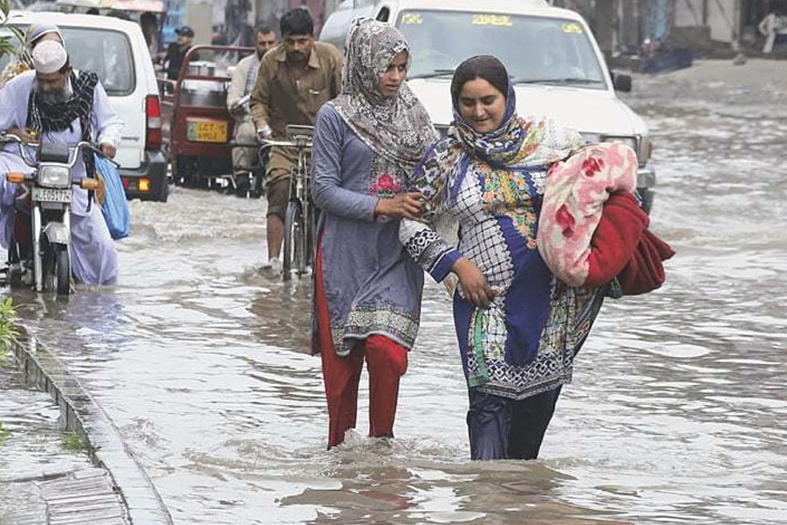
x=518, y=327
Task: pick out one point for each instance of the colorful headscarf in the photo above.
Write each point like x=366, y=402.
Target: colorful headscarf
x=516, y=145
x=397, y=128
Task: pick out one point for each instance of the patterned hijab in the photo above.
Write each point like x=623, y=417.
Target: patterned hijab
x=397, y=128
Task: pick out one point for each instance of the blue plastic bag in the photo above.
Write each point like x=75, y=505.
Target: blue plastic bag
x=115, y=207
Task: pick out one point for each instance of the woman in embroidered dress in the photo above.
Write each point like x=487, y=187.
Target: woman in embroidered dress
x=518, y=327
x=367, y=290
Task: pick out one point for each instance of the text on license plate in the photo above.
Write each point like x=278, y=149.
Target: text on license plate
x=205, y=131
x=50, y=195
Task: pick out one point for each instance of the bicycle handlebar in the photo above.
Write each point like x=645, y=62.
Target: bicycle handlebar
x=287, y=143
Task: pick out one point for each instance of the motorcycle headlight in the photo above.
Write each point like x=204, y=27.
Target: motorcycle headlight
x=54, y=176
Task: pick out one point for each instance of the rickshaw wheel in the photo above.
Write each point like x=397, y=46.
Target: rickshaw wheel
x=186, y=170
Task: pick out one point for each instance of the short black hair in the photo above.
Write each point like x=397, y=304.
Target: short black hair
x=263, y=29
x=297, y=22
x=482, y=66
x=148, y=18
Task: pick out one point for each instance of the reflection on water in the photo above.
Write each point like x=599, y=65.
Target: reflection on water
x=676, y=414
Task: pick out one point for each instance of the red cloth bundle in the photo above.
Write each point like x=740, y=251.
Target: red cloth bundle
x=623, y=247
x=644, y=271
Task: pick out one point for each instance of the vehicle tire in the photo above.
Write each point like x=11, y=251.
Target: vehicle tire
x=164, y=193
x=186, y=172
x=48, y=268
x=62, y=270
x=293, y=243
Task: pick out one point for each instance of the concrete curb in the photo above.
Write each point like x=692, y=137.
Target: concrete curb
x=85, y=417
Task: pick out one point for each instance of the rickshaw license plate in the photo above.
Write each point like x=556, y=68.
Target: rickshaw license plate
x=50, y=195
x=204, y=131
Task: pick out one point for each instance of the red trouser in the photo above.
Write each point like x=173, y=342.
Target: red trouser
x=386, y=362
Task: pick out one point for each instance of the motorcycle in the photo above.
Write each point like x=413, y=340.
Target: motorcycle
x=39, y=255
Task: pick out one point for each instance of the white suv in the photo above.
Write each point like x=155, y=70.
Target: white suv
x=557, y=67
x=116, y=50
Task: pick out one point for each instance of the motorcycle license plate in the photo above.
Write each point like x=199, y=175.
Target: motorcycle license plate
x=206, y=131
x=51, y=195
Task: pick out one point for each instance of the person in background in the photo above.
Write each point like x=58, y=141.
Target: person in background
x=518, y=327
x=149, y=24
x=295, y=79
x=177, y=52
x=36, y=34
x=773, y=27
x=244, y=78
x=367, y=299
x=57, y=104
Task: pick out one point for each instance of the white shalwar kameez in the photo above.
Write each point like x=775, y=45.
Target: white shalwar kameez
x=93, y=255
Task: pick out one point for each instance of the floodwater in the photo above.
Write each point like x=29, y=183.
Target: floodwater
x=677, y=413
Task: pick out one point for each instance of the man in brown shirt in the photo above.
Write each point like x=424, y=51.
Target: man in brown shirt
x=295, y=79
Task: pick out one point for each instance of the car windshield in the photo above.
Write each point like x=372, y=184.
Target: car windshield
x=533, y=49
x=111, y=60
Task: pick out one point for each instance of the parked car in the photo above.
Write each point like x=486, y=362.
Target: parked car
x=116, y=50
x=557, y=67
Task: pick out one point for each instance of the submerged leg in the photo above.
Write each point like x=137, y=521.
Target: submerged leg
x=93, y=255
x=386, y=362
x=530, y=421
x=489, y=425
x=341, y=376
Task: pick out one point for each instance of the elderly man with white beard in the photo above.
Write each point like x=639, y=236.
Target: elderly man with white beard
x=56, y=104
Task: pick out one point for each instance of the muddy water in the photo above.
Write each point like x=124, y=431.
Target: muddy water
x=677, y=414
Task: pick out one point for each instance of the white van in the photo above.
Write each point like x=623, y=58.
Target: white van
x=116, y=50
x=554, y=60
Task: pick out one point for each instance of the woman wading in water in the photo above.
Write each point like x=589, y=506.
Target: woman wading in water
x=518, y=327
x=367, y=290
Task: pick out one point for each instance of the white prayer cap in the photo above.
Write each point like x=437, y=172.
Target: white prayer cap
x=49, y=56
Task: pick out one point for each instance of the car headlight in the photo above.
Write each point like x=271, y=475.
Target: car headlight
x=631, y=142
x=54, y=176
x=641, y=145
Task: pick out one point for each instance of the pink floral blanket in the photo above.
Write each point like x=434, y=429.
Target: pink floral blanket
x=576, y=191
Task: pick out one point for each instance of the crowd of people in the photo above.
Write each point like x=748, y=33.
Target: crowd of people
x=391, y=194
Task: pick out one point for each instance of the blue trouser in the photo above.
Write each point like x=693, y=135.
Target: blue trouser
x=502, y=428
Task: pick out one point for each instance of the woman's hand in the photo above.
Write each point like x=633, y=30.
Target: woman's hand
x=24, y=134
x=401, y=206
x=108, y=150
x=475, y=287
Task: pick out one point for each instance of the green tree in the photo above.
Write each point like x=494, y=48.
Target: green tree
x=7, y=331
x=8, y=43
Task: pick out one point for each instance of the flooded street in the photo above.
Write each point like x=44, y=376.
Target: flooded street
x=677, y=412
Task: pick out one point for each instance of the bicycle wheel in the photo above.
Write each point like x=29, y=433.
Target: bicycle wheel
x=293, y=241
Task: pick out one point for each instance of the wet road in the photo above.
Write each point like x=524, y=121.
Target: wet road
x=677, y=414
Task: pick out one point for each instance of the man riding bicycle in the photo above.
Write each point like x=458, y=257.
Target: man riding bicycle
x=244, y=78
x=295, y=79
x=56, y=104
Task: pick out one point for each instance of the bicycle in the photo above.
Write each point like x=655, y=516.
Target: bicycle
x=299, y=218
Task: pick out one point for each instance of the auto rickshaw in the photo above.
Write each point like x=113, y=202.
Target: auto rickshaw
x=197, y=126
